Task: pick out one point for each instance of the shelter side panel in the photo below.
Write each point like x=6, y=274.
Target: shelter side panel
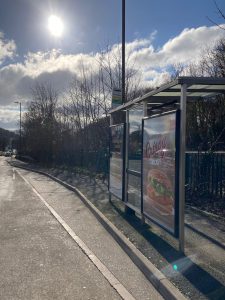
x=116, y=160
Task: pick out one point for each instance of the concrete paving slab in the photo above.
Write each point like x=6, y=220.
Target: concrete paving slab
x=38, y=258
x=75, y=213
x=202, y=273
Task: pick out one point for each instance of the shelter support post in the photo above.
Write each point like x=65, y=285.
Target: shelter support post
x=145, y=114
x=183, y=104
x=142, y=219
x=128, y=210
x=126, y=157
x=145, y=109
x=110, y=123
x=111, y=120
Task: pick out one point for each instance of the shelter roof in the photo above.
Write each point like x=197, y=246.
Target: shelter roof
x=197, y=87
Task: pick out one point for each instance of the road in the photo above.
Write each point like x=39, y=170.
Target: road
x=40, y=260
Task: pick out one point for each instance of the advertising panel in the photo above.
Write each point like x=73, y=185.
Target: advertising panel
x=116, y=160
x=159, y=171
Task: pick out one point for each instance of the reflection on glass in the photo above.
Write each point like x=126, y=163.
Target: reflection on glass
x=135, y=139
x=134, y=191
x=134, y=155
x=116, y=160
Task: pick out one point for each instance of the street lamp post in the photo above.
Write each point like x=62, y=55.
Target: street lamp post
x=123, y=50
x=128, y=210
x=20, y=125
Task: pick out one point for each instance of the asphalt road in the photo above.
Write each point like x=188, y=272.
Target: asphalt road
x=38, y=258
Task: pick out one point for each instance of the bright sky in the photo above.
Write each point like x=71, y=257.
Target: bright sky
x=158, y=34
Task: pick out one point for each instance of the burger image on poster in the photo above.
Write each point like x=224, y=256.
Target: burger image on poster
x=159, y=191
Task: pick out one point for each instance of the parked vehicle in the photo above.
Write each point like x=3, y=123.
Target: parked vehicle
x=8, y=153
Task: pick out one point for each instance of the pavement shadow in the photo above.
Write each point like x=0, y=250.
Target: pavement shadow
x=203, y=281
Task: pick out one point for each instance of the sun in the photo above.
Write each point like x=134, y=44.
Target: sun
x=55, y=26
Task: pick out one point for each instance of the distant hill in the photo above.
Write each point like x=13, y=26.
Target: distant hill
x=8, y=139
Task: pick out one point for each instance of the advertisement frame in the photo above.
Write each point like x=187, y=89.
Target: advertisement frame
x=174, y=232
x=123, y=167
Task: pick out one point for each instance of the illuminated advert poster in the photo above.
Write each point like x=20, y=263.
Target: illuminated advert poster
x=159, y=168
x=116, y=160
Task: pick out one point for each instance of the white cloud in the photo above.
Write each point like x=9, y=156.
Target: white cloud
x=156, y=78
x=9, y=117
x=37, y=63
x=16, y=80
x=7, y=48
x=184, y=48
x=57, y=68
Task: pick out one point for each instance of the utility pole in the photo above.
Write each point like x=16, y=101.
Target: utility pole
x=123, y=51
x=20, y=127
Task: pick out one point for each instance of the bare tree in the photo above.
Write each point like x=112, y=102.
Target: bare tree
x=206, y=117
x=221, y=15
x=40, y=125
x=110, y=67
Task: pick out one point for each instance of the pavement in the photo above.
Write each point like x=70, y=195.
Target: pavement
x=208, y=225
x=52, y=246
x=200, y=273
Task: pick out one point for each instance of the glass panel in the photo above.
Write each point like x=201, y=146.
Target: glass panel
x=116, y=160
x=135, y=139
x=168, y=94
x=134, y=155
x=175, y=87
x=200, y=94
x=134, y=190
x=207, y=87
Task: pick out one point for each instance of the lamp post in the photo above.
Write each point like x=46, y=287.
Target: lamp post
x=128, y=210
x=20, y=125
x=123, y=50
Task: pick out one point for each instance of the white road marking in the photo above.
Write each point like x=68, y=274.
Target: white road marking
x=13, y=175
x=113, y=281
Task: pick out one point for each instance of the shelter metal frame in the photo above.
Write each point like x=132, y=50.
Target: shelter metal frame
x=174, y=94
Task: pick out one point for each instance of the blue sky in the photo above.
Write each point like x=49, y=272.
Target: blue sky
x=158, y=33
x=90, y=24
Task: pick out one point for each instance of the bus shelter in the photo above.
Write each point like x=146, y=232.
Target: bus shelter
x=147, y=151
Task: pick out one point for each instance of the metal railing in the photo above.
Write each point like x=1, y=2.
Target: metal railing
x=205, y=173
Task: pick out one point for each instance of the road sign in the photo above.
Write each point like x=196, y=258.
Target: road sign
x=116, y=97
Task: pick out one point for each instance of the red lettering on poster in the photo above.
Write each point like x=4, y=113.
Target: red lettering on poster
x=156, y=148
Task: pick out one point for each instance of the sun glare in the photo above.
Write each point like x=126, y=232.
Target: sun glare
x=55, y=26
